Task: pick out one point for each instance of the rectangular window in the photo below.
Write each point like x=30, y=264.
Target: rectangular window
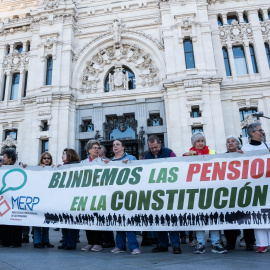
x=189, y=55
x=245, y=112
x=240, y=60
x=196, y=129
x=226, y=62
x=44, y=146
x=267, y=53
x=195, y=112
x=230, y=18
x=15, y=86
x=25, y=84
x=253, y=59
x=12, y=133
x=4, y=88
x=49, y=71
x=45, y=127
x=19, y=48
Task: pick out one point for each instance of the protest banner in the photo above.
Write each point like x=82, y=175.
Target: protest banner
x=227, y=191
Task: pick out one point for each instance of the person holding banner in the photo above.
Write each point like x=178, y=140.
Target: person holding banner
x=41, y=235
x=199, y=147
x=11, y=235
x=70, y=156
x=94, y=238
x=156, y=150
x=256, y=133
x=233, y=145
x=121, y=155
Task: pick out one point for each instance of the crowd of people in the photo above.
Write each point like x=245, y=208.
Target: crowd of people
x=11, y=236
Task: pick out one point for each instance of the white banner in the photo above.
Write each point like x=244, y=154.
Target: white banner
x=227, y=191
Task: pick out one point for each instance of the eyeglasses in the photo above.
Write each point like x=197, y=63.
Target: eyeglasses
x=260, y=130
x=46, y=158
x=96, y=148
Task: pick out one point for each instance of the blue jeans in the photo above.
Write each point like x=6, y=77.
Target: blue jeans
x=164, y=241
x=41, y=235
x=121, y=240
x=215, y=237
x=69, y=237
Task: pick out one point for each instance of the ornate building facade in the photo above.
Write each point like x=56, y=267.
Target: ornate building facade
x=72, y=70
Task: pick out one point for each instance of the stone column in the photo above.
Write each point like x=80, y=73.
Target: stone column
x=248, y=60
x=224, y=19
x=231, y=60
x=8, y=86
x=21, y=84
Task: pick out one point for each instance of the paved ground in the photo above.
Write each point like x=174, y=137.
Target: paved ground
x=29, y=258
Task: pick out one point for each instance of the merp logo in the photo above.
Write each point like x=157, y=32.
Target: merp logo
x=4, y=206
x=24, y=202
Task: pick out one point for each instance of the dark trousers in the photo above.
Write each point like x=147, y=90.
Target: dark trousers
x=94, y=237
x=231, y=236
x=249, y=236
x=108, y=237
x=69, y=237
x=11, y=235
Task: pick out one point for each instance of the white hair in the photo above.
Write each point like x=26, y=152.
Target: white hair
x=195, y=137
x=235, y=138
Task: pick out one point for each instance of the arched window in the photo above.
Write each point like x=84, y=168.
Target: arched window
x=226, y=61
x=131, y=83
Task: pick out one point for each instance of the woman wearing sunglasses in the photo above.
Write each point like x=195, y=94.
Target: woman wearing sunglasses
x=41, y=235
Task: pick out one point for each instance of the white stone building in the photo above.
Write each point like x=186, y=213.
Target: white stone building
x=71, y=70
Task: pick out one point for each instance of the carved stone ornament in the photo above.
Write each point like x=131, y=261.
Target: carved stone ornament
x=249, y=120
x=116, y=30
x=50, y=4
x=49, y=45
x=118, y=80
x=265, y=27
x=16, y=61
x=181, y=2
x=185, y=23
x=129, y=52
x=8, y=142
x=235, y=32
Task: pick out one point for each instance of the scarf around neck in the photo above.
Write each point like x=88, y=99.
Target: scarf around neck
x=204, y=151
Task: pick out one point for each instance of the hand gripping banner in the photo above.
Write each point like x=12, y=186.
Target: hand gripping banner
x=228, y=191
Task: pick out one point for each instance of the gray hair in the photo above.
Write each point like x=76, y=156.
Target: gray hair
x=235, y=138
x=196, y=135
x=252, y=128
x=90, y=144
x=103, y=148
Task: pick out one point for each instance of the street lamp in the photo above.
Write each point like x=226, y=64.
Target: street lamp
x=260, y=114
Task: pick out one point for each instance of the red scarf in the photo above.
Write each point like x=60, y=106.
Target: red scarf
x=204, y=151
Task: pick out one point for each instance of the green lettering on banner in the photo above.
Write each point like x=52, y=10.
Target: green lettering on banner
x=173, y=175
x=108, y=176
x=93, y=206
x=151, y=177
x=123, y=176
x=115, y=205
x=205, y=198
x=162, y=176
x=233, y=197
x=159, y=201
x=144, y=200
x=74, y=203
x=191, y=198
x=181, y=199
x=69, y=179
x=87, y=178
x=82, y=203
x=130, y=200
x=245, y=194
x=171, y=196
x=137, y=177
x=218, y=203
x=96, y=177
x=61, y=185
x=102, y=203
x=77, y=179
x=55, y=180
x=260, y=196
